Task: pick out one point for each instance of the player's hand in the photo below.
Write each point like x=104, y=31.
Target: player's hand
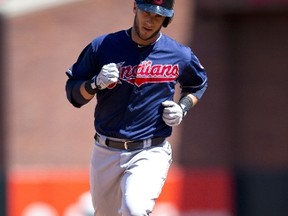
x=172, y=113
x=109, y=74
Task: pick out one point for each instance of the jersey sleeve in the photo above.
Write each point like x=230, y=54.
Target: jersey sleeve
x=86, y=65
x=194, y=78
x=84, y=69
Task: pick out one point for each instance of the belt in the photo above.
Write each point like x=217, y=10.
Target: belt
x=131, y=145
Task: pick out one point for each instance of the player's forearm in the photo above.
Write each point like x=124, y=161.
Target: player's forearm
x=192, y=97
x=76, y=93
x=86, y=91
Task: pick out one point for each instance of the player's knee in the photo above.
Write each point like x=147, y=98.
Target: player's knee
x=125, y=211
x=135, y=208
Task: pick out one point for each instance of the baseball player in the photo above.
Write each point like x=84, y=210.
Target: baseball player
x=133, y=74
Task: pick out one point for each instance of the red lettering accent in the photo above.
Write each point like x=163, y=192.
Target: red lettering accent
x=145, y=72
x=157, y=71
x=124, y=71
x=174, y=71
x=166, y=69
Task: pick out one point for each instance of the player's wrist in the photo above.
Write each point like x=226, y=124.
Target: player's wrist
x=91, y=87
x=186, y=103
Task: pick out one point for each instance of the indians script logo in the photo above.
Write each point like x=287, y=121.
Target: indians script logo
x=158, y=2
x=145, y=73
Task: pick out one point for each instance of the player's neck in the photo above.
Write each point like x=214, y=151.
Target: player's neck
x=136, y=37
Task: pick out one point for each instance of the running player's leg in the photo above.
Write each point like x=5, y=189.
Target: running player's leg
x=143, y=180
x=105, y=178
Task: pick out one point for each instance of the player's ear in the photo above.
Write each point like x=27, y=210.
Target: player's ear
x=167, y=21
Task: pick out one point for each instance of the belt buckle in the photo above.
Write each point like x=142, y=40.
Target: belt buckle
x=126, y=145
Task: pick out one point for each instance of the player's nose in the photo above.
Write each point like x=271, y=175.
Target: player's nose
x=149, y=22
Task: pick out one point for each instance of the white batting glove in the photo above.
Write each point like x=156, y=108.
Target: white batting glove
x=109, y=74
x=172, y=113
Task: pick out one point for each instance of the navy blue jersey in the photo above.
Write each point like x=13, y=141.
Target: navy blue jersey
x=131, y=108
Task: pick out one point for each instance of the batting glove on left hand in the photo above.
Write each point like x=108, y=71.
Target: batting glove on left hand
x=172, y=113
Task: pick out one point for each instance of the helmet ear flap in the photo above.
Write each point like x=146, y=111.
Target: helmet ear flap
x=167, y=20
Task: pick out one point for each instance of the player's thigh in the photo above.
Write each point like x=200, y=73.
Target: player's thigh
x=142, y=182
x=105, y=178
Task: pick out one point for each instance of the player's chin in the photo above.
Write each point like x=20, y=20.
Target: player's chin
x=145, y=35
x=148, y=35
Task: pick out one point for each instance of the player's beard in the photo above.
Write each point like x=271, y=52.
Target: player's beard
x=149, y=38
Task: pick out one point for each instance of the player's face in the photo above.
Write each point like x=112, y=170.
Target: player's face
x=146, y=27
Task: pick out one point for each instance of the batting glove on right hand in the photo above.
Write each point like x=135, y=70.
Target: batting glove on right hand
x=109, y=74
x=172, y=113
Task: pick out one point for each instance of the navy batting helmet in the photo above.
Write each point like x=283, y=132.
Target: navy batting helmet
x=161, y=7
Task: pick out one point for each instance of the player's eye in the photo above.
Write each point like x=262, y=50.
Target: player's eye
x=146, y=13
